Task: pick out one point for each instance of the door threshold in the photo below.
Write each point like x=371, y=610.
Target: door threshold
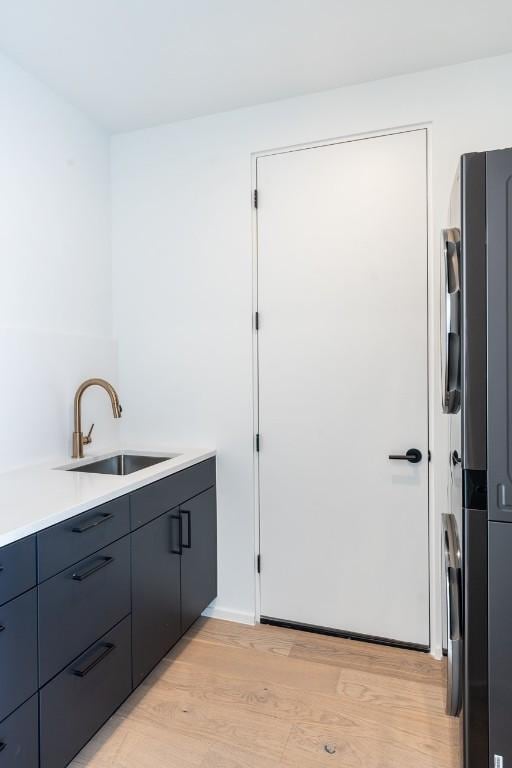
x=344, y=634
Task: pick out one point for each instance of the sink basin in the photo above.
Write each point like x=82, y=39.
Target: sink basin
x=121, y=464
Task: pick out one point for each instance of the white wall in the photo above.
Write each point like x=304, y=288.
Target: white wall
x=183, y=269
x=55, y=280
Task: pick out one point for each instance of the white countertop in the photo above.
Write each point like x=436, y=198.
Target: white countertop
x=35, y=497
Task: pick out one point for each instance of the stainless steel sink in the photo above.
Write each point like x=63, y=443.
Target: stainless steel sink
x=121, y=464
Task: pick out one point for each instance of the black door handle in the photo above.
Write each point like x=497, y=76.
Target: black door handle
x=179, y=550
x=413, y=455
x=188, y=545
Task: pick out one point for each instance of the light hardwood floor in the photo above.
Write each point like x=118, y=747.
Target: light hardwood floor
x=232, y=696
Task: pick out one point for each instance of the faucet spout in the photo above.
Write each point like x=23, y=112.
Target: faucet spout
x=79, y=439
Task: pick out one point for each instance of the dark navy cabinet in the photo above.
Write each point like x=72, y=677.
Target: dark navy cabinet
x=89, y=606
x=83, y=696
x=19, y=737
x=18, y=652
x=17, y=568
x=156, y=592
x=199, y=556
x=80, y=604
x=68, y=542
x=155, y=499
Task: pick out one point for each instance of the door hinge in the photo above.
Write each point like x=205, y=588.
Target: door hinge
x=258, y=563
x=255, y=198
x=257, y=320
x=257, y=443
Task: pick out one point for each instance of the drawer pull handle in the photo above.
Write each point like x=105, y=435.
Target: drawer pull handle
x=2, y=628
x=93, y=523
x=189, y=528
x=83, y=671
x=82, y=575
x=2, y=746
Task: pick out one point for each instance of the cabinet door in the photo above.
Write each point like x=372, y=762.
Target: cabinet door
x=19, y=747
x=155, y=592
x=199, y=556
x=18, y=652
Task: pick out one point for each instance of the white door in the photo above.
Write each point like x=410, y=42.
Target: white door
x=342, y=348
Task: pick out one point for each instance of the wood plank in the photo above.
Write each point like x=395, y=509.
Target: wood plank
x=172, y=709
x=399, y=663
x=308, y=745
x=124, y=742
x=260, y=637
x=249, y=664
x=233, y=757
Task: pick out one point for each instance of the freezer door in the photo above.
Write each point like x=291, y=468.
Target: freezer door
x=499, y=333
x=500, y=632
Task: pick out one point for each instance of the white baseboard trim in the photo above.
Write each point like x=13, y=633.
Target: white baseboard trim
x=226, y=614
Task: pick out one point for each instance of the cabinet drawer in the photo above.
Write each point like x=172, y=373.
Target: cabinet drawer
x=17, y=568
x=18, y=652
x=80, y=604
x=68, y=542
x=155, y=499
x=19, y=736
x=82, y=697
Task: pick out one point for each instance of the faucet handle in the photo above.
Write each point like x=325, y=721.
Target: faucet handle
x=87, y=438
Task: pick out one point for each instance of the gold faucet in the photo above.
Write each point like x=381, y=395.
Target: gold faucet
x=79, y=439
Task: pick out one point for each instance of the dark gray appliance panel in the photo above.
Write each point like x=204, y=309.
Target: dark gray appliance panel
x=475, y=714
x=499, y=352
x=474, y=308
x=500, y=643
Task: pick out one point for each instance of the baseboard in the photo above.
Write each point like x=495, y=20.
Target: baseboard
x=226, y=614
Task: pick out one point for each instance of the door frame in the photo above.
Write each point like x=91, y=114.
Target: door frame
x=438, y=442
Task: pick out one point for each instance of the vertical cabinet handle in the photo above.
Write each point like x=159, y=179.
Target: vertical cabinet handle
x=179, y=549
x=189, y=528
x=2, y=746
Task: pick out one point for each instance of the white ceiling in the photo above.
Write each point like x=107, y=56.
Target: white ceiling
x=135, y=63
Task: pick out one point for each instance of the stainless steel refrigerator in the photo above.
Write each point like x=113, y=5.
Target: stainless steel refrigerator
x=477, y=394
